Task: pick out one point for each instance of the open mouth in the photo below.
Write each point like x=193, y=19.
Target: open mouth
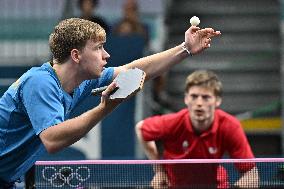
x=199, y=112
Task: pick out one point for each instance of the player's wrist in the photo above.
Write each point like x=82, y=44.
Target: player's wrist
x=106, y=106
x=185, y=49
x=159, y=169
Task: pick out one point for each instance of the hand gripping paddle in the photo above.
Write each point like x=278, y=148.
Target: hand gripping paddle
x=128, y=82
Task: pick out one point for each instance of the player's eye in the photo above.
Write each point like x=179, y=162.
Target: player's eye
x=99, y=47
x=206, y=97
x=193, y=96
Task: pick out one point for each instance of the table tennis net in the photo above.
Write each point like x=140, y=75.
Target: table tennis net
x=193, y=173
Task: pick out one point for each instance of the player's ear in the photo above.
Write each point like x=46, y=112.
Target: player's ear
x=218, y=101
x=75, y=55
x=186, y=98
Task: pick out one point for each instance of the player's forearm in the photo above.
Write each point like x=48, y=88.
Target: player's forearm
x=159, y=63
x=57, y=137
x=151, y=152
x=250, y=179
x=195, y=40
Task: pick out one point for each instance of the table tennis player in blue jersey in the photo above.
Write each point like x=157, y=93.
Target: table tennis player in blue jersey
x=34, y=110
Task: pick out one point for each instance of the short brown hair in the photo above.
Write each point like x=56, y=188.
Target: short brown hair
x=73, y=33
x=204, y=78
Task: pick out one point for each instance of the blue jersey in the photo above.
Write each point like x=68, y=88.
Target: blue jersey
x=33, y=103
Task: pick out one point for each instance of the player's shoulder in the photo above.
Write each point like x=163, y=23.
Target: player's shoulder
x=40, y=76
x=227, y=120
x=225, y=115
x=174, y=115
x=175, y=118
x=38, y=71
x=169, y=117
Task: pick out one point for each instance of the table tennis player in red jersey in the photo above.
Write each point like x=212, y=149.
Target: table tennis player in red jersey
x=200, y=131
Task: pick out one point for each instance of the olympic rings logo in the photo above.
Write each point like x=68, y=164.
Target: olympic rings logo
x=66, y=176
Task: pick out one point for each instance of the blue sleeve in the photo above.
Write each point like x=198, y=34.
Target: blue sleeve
x=105, y=79
x=42, y=101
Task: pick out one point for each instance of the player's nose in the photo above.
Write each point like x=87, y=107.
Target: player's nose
x=106, y=55
x=199, y=101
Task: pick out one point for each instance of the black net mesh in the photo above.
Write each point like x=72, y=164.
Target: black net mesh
x=180, y=175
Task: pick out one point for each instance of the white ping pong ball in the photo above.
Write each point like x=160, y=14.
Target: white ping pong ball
x=194, y=21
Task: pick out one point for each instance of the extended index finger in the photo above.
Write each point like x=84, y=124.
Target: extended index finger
x=209, y=32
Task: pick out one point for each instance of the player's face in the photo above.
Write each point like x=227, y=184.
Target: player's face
x=201, y=103
x=93, y=59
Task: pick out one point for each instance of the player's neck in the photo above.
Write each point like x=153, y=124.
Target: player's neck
x=67, y=77
x=201, y=126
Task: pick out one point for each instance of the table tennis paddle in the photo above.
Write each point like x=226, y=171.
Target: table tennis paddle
x=128, y=83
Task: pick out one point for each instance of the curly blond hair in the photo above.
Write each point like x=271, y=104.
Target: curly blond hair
x=73, y=33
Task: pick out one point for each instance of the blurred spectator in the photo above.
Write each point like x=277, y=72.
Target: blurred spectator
x=132, y=24
x=87, y=8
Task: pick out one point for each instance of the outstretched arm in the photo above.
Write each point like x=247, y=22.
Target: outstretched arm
x=196, y=40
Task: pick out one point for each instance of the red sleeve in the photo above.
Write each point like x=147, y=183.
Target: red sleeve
x=152, y=128
x=238, y=147
x=163, y=126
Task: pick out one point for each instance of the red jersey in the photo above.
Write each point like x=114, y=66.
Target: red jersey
x=181, y=142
